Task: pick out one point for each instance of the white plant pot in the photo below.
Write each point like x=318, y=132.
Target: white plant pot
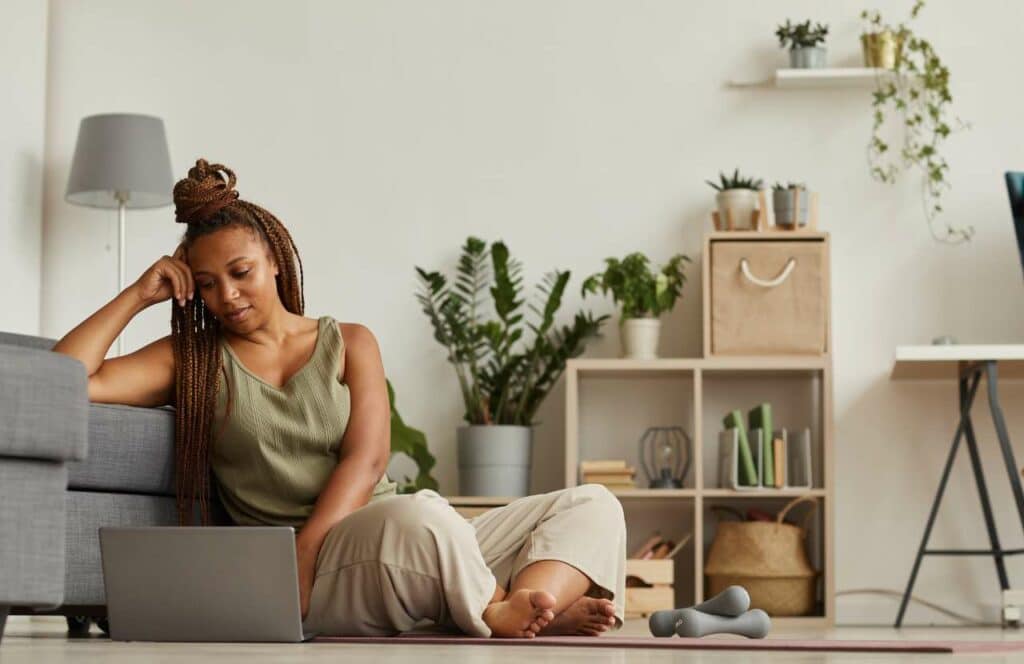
x=640, y=338
x=738, y=205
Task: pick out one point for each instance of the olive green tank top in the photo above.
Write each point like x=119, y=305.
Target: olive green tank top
x=279, y=446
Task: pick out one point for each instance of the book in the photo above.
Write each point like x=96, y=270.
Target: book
x=779, y=454
x=761, y=418
x=609, y=477
x=747, y=472
x=616, y=485
x=603, y=466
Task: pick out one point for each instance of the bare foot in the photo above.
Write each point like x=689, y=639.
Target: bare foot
x=521, y=614
x=587, y=616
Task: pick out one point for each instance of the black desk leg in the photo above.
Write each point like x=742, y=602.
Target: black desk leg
x=965, y=409
x=1004, y=436
x=986, y=503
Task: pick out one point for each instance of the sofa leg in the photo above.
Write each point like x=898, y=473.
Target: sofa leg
x=4, y=610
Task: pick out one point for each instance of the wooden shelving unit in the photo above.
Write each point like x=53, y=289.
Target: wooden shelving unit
x=802, y=382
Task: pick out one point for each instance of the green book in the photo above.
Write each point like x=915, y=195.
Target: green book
x=761, y=418
x=747, y=472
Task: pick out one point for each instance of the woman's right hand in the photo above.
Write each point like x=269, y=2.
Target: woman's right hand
x=169, y=276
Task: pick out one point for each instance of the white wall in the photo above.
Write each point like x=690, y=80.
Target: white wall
x=383, y=133
x=22, y=116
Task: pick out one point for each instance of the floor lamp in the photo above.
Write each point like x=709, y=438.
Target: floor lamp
x=121, y=161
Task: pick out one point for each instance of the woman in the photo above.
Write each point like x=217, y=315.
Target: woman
x=291, y=416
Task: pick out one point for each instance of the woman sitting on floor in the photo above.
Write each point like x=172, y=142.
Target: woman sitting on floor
x=291, y=416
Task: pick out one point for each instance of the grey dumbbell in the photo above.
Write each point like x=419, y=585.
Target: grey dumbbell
x=733, y=601
x=753, y=624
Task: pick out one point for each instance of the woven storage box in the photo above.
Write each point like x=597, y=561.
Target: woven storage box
x=768, y=297
x=767, y=558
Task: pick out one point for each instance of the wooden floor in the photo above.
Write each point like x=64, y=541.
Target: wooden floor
x=43, y=640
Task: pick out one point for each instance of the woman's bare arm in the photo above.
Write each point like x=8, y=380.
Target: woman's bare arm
x=145, y=377
x=366, y=445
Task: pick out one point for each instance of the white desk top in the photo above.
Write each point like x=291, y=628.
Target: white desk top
x=945, y=361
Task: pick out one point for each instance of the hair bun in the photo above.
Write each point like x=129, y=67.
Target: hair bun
x=204, y=192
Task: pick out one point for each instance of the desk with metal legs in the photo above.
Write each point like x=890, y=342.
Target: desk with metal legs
x=967, y=364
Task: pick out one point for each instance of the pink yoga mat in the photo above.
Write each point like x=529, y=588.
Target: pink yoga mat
x=716, y=643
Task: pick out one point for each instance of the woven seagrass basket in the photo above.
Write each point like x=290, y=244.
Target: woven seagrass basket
x=769, y=559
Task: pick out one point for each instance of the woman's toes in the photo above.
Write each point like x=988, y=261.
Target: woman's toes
x=585, y=631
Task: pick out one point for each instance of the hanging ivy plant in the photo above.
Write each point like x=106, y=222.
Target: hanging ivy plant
x=918, y=92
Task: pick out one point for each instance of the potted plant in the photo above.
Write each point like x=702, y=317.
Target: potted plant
x=643, y=294
x=737, y=200
x=803, y=40
x=917, y=93
x=502, y=378
x=789, y=203
x=881, y=44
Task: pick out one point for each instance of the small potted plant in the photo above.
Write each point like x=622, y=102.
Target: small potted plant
x=737, y=200
x=643, y=295
x=803, y=40
x=789, y=202
x=503, y=377
x=882, y=44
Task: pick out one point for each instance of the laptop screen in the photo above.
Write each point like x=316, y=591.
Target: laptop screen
x=1015, y=188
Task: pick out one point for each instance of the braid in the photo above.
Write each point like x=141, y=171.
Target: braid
x=207, y=201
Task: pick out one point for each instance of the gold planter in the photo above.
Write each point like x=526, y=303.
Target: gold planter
x=882, y=49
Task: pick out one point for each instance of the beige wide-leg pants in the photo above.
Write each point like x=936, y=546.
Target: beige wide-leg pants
x=411, y=560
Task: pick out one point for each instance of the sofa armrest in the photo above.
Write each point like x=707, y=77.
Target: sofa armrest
x=44, y=404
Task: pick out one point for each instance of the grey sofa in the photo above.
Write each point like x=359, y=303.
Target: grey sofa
x=68, y=467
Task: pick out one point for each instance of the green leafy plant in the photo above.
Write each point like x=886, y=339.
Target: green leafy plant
x=789, y=185
x=502, y=381
x=641, y=291
x=412, y=443
x=918, y=92
x=801, y=35
x=734, y=181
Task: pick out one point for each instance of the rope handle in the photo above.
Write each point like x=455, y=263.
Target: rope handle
x=772, y=283
x=796, y=501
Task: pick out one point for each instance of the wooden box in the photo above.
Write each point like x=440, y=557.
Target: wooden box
x=641, y=602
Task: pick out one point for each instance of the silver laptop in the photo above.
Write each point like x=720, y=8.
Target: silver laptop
x=195, y=583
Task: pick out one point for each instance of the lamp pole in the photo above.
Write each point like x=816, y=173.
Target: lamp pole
x=122, y=254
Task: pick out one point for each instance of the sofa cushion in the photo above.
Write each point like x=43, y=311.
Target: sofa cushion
x=44, y=400
x=131, y=449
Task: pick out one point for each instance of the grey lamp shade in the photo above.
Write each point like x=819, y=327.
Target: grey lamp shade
x=121, y=152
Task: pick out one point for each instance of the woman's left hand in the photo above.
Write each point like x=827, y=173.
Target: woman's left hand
x=305, y=555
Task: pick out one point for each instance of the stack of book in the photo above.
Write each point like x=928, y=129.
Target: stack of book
x=613, y=473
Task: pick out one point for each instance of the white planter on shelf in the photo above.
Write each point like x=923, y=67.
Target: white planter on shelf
x=640, y=338
x=737, y=205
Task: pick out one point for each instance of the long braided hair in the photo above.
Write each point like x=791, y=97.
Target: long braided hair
x=207, y=202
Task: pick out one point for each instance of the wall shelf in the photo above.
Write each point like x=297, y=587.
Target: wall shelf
x=833, y=77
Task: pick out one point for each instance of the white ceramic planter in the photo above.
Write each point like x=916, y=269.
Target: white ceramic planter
x=808, y=57
x=640, y=338
x=494, y=460
x=738, y=205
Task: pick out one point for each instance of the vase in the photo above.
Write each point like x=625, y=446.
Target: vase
x=640, y=338
x=494, y=459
